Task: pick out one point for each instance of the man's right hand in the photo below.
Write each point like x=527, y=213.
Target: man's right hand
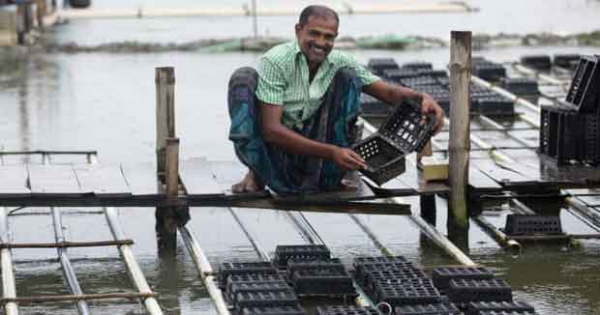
x=348, y=160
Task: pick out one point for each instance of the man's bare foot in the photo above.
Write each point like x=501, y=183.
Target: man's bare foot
x=250, y=183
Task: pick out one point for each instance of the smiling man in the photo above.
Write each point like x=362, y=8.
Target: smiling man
x=293, y=121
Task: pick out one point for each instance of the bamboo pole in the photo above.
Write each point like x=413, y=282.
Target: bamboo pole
x=502, y=239
x=460, y=78
x=204, y=269
x=66, y=244
x=65, y=262
x=165, y=113
x=62, y=298
x=133, y=269
x=9, y=290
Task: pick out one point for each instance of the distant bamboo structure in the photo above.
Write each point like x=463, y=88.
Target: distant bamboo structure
x=455, y=7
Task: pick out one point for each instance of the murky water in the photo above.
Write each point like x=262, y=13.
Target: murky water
x=106, y=102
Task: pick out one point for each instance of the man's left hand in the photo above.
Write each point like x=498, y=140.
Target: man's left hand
x=429, y=105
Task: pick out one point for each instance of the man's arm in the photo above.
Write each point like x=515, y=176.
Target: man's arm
x=393, y=94
x=277, y=134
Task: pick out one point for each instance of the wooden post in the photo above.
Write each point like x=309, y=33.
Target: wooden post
x=21, y=24
x=166, y=224
x=460, y=78
x=40, y=12
x=8, y=28
x=167, y=158
x=165, y=114
x=172, y=169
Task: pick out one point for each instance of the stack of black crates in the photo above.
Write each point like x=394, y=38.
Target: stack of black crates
x=403, y=286
x=256, y=288
x=570, y=130
x=475, y=291
x=422, y=77
x=312, y=272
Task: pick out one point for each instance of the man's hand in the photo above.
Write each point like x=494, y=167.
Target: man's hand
x=347, y=159
x=429, y=105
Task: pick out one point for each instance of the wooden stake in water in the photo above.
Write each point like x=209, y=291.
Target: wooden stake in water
x=167, y=157
x=460, y=78
x=165, y=113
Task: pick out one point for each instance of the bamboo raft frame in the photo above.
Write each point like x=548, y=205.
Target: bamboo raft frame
x=174, y=194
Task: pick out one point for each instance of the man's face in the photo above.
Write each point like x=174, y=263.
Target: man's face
x=316, y=38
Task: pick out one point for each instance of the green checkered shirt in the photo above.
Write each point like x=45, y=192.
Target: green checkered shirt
x=283, y=80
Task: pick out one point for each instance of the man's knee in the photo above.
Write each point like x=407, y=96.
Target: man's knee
x=245, y=76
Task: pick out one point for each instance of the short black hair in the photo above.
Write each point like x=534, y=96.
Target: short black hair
x=320, y=11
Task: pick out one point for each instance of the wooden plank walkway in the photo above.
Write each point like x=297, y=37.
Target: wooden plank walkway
x=136, y=184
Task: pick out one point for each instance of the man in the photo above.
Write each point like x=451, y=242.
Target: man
x=292, y=122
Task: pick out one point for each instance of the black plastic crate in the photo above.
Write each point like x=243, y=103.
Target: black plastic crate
x=401, y=133
x=467, y=290
x=374, y=108
x=433, y=73
x=378, y=259
x=494, y=105
x=406, y=126
x=418, y=65
x=562, y=134
x=386, y=269
x=568, y=61
x=379, y=65
x=400, y=295
x=228, y=269
x=237, y=288
x=334, y=263
x=489, y=71
x=526, y=224
x=538, y=62
x=384, y=275
x=428, y=309
x=474, y=308
x=415, y=82
x=274, y=310
x=265, y=299
x=521, y=86
x=253, y=278
x=585, y=86
x=592, y=139
x=324, y=281
x=285, y=253
x=507, y=313
x=399, y=74
x=384, y=158
x=432, y=89
x=347, y=310
x=442, y=275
